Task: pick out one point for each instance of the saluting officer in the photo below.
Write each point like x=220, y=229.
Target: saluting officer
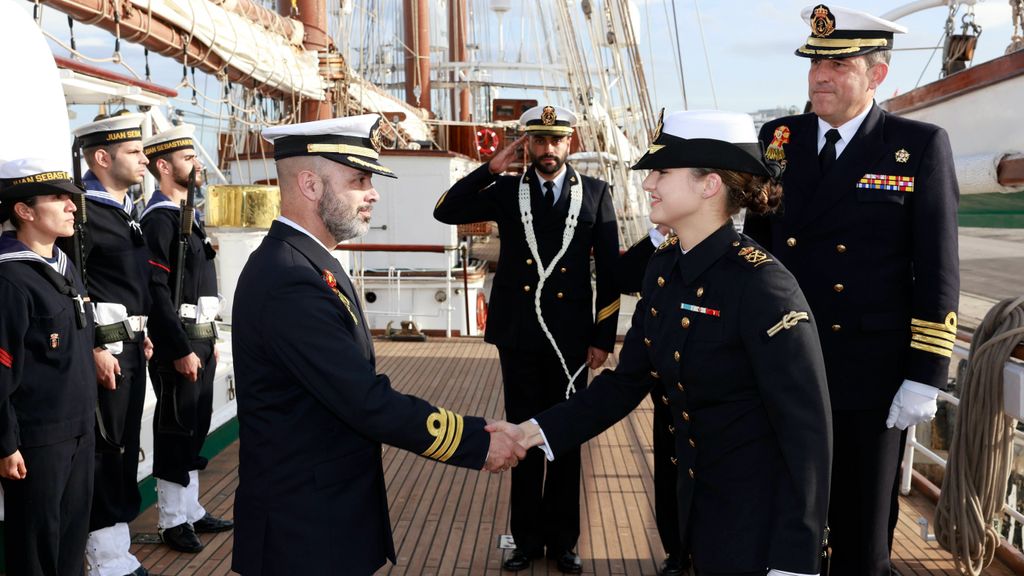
x=312, y=410
x=727, y=333
x=47, y=376
x=117, y=279
x=869, y=228
x=184, y=334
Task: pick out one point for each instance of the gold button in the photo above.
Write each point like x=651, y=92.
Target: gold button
x=671, y=429
x=790, y=242
x=654, y=312
x=526, y=288
x=692, y=443
x=675, y=461
x=700, y=292
x=735, y=242
x=675, y=355
x=840, y=248
x=664, y=400
x=680, y=386
x=654, y=374
x=560, y=295
x=647, y=342
x=529, y=261
x=838, y=287
x=685, y=322
x=563, y=270
x=836, y=327
x=661, y=281
x=691, y=473
x=686, y=416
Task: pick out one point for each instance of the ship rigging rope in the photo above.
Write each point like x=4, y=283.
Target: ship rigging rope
x=981, y=451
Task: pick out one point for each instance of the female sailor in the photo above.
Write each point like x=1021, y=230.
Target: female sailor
x=726, y=338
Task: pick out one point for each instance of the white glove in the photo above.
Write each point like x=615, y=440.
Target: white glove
x=914, y=403
x=784, y=573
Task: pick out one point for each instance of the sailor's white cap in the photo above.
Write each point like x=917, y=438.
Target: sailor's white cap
x=353, y=140
x=705, y=139
x=168, y=141
x=112, y=130
x=838, y=32
x=23, y=178
x=548, y=120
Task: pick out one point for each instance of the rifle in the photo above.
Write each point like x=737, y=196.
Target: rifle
x=78, y=240
x=188, y=211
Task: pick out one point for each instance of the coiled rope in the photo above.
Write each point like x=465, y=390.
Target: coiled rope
x=974, y=487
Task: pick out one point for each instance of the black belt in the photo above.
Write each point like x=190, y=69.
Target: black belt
x=117, y=332
x=205, y=331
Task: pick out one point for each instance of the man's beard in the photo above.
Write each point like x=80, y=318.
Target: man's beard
x=559, y=162
x=182, y=179
x=340, y=218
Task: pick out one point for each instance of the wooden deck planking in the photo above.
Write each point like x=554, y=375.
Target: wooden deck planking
x=447, y=520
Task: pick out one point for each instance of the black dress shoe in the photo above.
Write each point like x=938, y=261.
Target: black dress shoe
x=182, y=538
x=568, y=562
x=517, y=560
x=672, y=566
x=209, y=524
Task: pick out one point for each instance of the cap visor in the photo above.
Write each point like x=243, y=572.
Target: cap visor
x=361, y=163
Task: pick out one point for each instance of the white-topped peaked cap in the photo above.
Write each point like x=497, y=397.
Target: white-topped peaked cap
x=839, y=32
x=704, y=139
x=27, y=177
x=353, y=141
x=548, y=120
x=168, y=141
x=112, y=130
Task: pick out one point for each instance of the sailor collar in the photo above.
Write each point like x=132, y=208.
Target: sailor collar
x=95, y=191
x=13, y=250
x=160, y=202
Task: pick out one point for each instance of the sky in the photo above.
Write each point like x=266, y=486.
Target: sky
x=749, y=45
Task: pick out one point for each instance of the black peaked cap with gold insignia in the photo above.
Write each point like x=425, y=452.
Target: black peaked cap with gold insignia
x=705, y=139
x=839, y=32
x=354, y=141
x=548, y=120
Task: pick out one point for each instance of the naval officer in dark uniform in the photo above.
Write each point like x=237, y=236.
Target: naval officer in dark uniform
x=726, y=332
x=869, y=228
x=543, y=315
x=312, y=409
x=116, y=273
x=47, y=376
x=184, y=337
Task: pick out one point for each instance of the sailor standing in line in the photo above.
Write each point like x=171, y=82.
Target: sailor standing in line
x=47, y=375
x=312, y=409
x=869, y=229
x=117, y=279
x=184, y=335
x=542, y=312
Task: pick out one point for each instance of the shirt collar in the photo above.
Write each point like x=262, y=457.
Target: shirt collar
x=288, y=222
x=846, y=131
x=558, y=181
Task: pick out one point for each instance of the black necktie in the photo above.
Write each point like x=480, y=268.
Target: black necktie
x=827, y=156
x=549, y=192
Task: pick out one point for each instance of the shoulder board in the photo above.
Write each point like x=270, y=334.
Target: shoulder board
x=672, y=240
x=753, y=255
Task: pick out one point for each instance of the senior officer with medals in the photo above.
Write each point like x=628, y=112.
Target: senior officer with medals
x=47, y=375
x=542, y=312
x=184, y=335
x=312, y=410
x=869, y=228
x=116, y=274
x=726, y=333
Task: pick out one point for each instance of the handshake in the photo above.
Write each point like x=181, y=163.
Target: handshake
x=509, y=443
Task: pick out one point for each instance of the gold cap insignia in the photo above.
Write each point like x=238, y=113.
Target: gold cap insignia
x=661, y=124
x=823, y=23
x=902, y=156
x=548, y=116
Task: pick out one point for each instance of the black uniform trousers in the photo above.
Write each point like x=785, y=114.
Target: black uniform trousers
x=864, y=461
x=666, y=500
x=544, y=508
x=116, y=495
x=46, y=513
x=175, y=455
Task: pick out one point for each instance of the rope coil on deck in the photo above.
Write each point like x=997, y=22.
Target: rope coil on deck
x=980, y=454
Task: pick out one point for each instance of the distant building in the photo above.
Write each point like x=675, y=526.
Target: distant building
x=769, y=114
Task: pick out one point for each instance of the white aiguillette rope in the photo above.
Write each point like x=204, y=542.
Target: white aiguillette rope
x=543, y=272
x=981, y=451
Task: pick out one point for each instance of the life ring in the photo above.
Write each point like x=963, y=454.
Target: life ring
x=481, y=312
x=486, y=141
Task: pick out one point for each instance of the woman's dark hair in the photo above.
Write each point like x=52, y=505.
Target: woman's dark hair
x=15, y=221
x=758, y=194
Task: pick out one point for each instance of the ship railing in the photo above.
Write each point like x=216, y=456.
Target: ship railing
x=448, y=278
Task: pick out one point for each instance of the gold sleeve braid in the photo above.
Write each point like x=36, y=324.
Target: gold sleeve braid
x=936, y=338
x=608, y=310
x=446, y=428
